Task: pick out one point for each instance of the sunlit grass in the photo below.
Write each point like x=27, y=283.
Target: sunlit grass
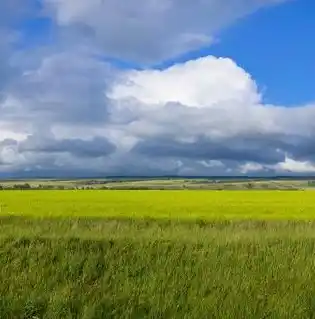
x=208, y=205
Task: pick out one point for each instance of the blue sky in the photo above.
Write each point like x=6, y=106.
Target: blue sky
x=169, y=87
x=277, y=47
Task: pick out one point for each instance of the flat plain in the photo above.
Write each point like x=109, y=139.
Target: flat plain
x=208, y=205
x=157, y=254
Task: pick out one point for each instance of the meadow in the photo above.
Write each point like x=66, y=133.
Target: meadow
x=157, y=254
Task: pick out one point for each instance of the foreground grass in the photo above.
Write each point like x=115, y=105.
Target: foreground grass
x=148, y=254
x=85, y=268
x=188, y=205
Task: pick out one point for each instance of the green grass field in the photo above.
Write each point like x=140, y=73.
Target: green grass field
x=151, y=254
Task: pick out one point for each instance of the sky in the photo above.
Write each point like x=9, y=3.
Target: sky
x=161, y=87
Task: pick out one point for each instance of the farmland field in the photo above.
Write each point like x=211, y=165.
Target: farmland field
x=208, y=205
x=157, y=254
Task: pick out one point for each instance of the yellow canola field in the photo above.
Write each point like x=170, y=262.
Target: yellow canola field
x=207, y=205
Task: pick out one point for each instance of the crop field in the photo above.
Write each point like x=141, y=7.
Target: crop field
x=208, y=205
x=157, y=254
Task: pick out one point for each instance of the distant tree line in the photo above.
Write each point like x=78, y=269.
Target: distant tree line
x=120, y=186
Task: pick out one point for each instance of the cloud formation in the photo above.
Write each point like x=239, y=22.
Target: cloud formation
x=201, y=117
x=153, y=30
x=70, y=112
x=210, y=109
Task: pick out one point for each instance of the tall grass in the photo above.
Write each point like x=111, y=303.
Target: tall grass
x=85, y=268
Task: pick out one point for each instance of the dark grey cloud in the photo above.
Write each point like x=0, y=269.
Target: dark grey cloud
x=300, y=147
x=8, y=142
x=96, y=147
x=240, y=149
x=44, y=155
